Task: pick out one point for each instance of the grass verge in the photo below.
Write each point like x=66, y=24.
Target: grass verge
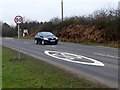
x=30, y=72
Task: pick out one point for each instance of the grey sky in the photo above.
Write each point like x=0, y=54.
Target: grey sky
x=44, y=10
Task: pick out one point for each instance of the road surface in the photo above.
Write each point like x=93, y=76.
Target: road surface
x=97, y=63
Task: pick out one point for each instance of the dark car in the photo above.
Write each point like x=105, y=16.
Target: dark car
x=45, y=38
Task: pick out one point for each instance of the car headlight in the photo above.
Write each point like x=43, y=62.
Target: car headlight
x=45, y=38
x=56, y=38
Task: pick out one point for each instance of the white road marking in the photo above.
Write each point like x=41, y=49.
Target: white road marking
x=106, y=55
x=71, y=58
x=8, y=38
x=51, y=46
x=102, y=47
x=115, y=49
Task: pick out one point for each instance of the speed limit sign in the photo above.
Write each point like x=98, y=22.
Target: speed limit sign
x=18, y=19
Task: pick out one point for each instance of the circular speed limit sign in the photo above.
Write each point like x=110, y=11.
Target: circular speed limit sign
x=18, y=19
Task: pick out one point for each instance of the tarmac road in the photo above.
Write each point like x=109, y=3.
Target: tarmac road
x=97, y=63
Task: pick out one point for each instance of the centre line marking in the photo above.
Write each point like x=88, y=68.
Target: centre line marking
x=106, y=55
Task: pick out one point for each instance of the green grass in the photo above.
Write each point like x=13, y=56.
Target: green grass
x=33, y=73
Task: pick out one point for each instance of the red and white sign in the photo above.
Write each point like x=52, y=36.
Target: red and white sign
x=18, y=19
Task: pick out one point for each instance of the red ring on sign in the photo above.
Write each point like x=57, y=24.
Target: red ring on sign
x=18, y=17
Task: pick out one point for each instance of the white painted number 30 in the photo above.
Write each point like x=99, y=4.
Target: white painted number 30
x=74, y=58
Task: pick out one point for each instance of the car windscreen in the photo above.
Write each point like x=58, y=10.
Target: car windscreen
x=48, y=35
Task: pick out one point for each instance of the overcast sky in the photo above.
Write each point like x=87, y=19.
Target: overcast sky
x=44, y=10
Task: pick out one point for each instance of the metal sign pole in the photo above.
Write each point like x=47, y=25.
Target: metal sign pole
x=18, y=20
x=19, y=41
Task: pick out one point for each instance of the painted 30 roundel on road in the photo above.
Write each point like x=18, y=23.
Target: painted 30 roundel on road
x=73, y=58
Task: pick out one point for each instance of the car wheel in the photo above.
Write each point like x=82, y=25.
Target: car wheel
x=36, y=41
x=43, y=42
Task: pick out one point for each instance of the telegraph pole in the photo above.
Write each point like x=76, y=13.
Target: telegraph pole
x=119, y=5
x=62, y=10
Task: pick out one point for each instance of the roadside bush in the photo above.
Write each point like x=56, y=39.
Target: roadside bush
x=107, y=22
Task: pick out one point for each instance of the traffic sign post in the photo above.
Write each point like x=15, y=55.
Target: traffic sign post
x=18, y=20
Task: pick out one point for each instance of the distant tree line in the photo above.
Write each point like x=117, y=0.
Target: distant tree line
x=107, y=21
x=8, y=31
